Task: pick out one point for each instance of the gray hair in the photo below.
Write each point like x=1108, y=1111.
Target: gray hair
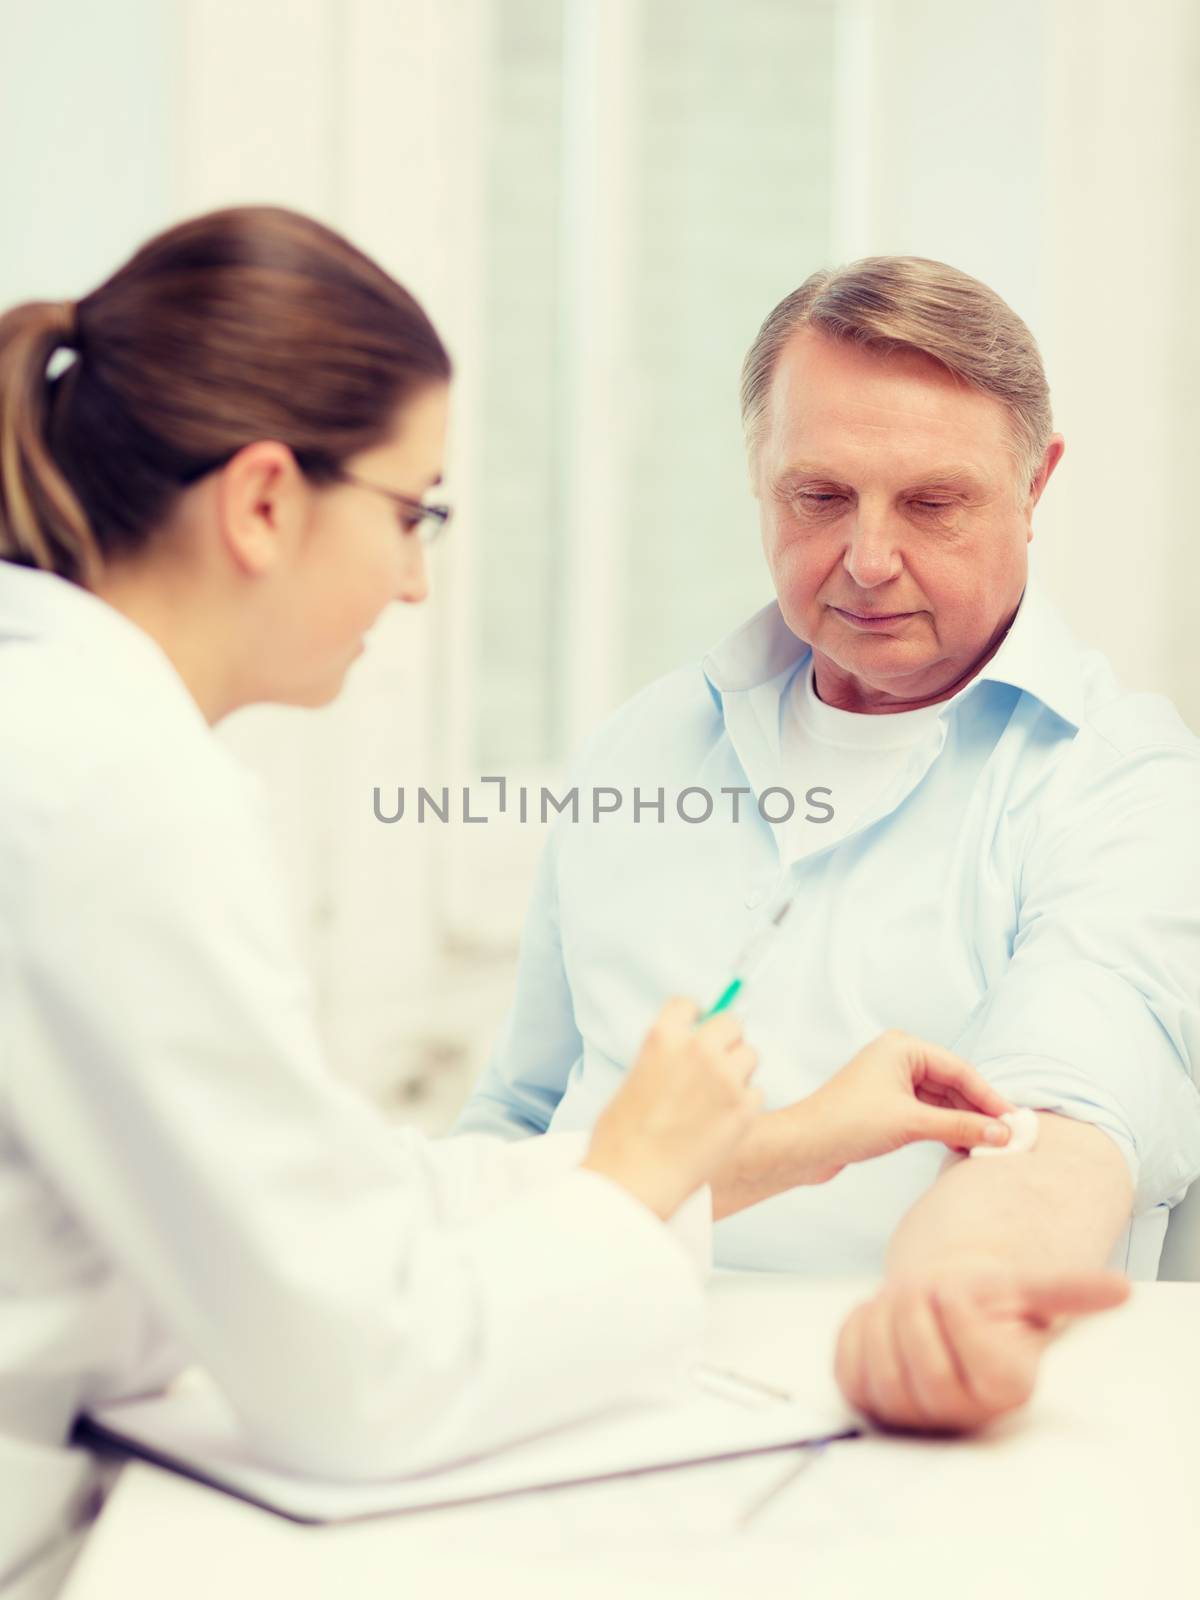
x=889, y=303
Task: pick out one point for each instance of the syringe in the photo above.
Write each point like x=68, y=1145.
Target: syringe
x=754, y=951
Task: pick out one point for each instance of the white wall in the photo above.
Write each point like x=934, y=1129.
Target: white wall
x=85, y=129
x=118, y=119
x=1049, y=147
x=366, y=114
x=1122, y=322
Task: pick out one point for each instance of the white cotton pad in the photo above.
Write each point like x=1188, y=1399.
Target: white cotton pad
x=1024, y=1125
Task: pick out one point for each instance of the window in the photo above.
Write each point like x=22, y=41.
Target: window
x=659, y=176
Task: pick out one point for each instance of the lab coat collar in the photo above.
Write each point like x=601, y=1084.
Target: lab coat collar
x=1038, y=655
x=35, y=604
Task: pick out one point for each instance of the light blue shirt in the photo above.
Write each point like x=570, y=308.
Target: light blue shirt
x=1025, y=891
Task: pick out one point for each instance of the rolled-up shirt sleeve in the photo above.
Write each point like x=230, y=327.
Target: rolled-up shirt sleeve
x=1097, y=1015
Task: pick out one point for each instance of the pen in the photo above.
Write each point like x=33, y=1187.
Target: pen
x=737, y=1385
x=810, y=1454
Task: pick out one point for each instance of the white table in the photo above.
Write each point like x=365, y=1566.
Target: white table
x=1093, y=1491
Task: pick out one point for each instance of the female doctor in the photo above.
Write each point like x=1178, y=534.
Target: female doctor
x=209, y=507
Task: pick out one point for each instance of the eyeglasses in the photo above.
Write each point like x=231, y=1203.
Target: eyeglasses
x=425, y=521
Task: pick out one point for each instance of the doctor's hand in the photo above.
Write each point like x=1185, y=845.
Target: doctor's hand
x=896, y=1091
x=951, y=1355
x=683, y=1107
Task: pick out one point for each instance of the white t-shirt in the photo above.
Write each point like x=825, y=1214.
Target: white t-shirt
x=853, y=754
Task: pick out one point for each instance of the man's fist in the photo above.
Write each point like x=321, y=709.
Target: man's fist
x=951, y=1355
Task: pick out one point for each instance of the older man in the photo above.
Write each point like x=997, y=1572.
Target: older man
x=993, y=845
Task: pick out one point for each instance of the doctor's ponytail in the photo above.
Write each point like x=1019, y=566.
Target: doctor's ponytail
x=42, y=523
x=250, y=323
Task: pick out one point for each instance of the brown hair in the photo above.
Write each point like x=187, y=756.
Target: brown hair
x=890, y=303
x=245, y=324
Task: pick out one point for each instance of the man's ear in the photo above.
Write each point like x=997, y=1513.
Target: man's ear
x=1053, y=455
x=261, y=504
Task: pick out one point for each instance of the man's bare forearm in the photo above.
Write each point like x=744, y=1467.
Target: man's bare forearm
x=1060, y=1208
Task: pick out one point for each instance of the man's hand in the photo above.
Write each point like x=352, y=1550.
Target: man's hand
x=950, y=1356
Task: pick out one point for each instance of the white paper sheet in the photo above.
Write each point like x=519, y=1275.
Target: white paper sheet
x=195, y=1432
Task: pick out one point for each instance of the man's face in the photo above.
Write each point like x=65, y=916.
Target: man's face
x=895, y=519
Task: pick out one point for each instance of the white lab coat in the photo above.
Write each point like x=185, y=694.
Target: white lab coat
x=180, y=1177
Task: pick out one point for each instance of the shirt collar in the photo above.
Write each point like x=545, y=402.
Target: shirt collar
x=1041, y=657
x=1037, y=655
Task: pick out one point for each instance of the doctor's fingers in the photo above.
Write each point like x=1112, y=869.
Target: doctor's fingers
x=941, y=1069
x=959, y=1130
x=726, y=1053
x=723, y=1073
x=741, y=1063
x=677, y=1017
x=720, y=1033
